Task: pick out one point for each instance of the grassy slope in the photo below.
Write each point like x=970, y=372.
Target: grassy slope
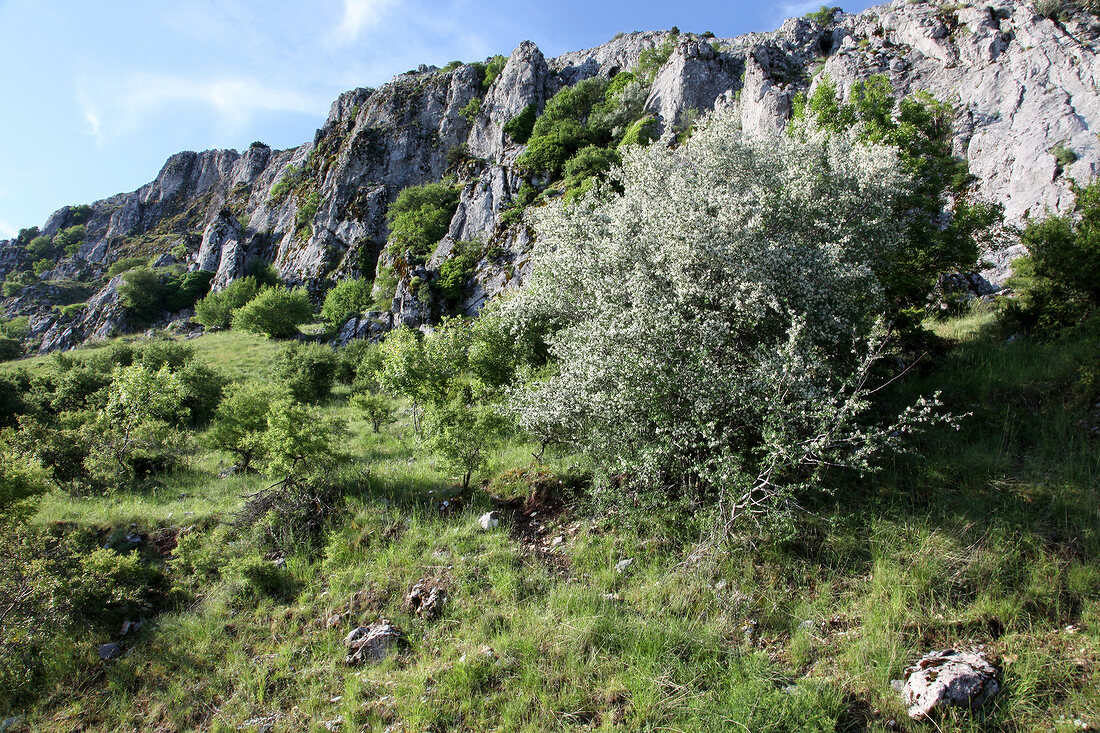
x=987, y=536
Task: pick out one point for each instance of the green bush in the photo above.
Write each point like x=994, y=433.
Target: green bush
x=419, y=218
x=472, y=109
x=519, y=128
x=182, y=291
x=127, y=263
x=141, y=293
x=203, y=388
x=823, y=16
x=69, y=240
x=216, y=310
x=549, y=151
x=109, y=588
x=240, y=421
x=291, y=177
x=80, y=214
x=640, y=132
x=376, y=407
x=490, y=71
x=571, y=104
x=346, y=299
x=1059, y=280
x=22, y=481
x=41, y=266
x=1065, y=156
x=307, y=209
x=457, y=270
x=308, y=371
x=275, y=312
x=41, y=247
x=589, y=162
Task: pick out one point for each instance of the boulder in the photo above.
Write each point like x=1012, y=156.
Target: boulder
x=426, y=598
x=373, y=643
x=489, y=520
x=949, y=678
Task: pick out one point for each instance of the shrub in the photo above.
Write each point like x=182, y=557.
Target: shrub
x=216, y=310
x=1065, y=156
x=571, y=104
x=726, y=372
x=824, y=15
x=291, y=177
x=472, y=109
x=22, y=482
x=299, y=440
x=651, y=60
x=10, y=348
x=346, y=299
x=588, y=162
x=377, y=408
x=419, y=218
x=182, y=291
x=70, y=239
x=519, y=127
x=1059, y=280
x=127, y=263
x=464, y=432
x=640, y=132
x=491, y=70
x=141, y=293
x=549, y=151
x=203, y=388
x=308, y=371
x=457, y=270
x=80, y=214
x=15, y=282
x=458, y=156
x=275, y=312
x=109, y=588
x=307, y=209
x=41, y=266
x=163, y=353
x=41, y=247
x=240, y=421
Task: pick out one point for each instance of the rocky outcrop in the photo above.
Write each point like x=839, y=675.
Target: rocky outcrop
x=1025, y=90
x=948, y=678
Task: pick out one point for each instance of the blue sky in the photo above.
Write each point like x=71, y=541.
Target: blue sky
x=98, y=93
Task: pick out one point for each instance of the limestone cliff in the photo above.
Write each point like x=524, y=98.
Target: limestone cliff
x=1023, y=87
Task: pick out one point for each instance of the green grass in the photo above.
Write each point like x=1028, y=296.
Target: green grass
x=985, y=536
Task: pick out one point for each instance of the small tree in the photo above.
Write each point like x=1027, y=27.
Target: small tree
x=308, y=371
x=465, y=432
x=22, y=481
x=347, y=299
x=241, y=421
x=298, y=440
x=216, y=310
x=141, y=292
x=419, y=218
x=376, y=407
x=275, y=312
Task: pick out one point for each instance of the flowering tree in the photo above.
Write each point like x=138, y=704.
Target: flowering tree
x=710, y=329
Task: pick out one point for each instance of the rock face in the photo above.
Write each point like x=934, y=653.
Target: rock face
x=949, y=678
x=1025, y=90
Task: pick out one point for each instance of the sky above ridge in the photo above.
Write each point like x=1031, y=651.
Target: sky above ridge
x=96, y=94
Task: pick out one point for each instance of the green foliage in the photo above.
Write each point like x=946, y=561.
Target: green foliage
x=651, y=60
x=241, y=421
x=519, y=128
x=300, y=440
x=183, y=290
x=291, y=177
x=464, y=433
x=307, y=209
x=80, y=214
x=1065, y=156
x=1059, y=280
x=42, y=247
x=109, y=588
x=776, y=355
x=15, y=282
x=216, y=310
x=22, y=481
x=275, y=312
x=458, y=156
x=203, y=388
x=69, y=240
x=419, y=218
x=142, y=292
x=41, y=266
x=824, y=15
x=523, y=198
x=549, y=152
x=919, y=128
x=590, y=162
x=457, y=270
x=346, y=299
x=451, y=66
x=491, y=70
x=377, y=408
x=472, y=109
x=128, y=263
x=307, y=371
x=10, y=348
x=641, y=132
x=571, y=104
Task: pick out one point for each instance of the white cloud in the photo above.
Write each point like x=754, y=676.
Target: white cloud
x=791, y=10
x=359, y=14
x=121, y=106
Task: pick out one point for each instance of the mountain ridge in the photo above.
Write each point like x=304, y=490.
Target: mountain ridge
x=1023, y=88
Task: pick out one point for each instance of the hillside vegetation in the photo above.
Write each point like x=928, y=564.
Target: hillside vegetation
x=723, y=463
